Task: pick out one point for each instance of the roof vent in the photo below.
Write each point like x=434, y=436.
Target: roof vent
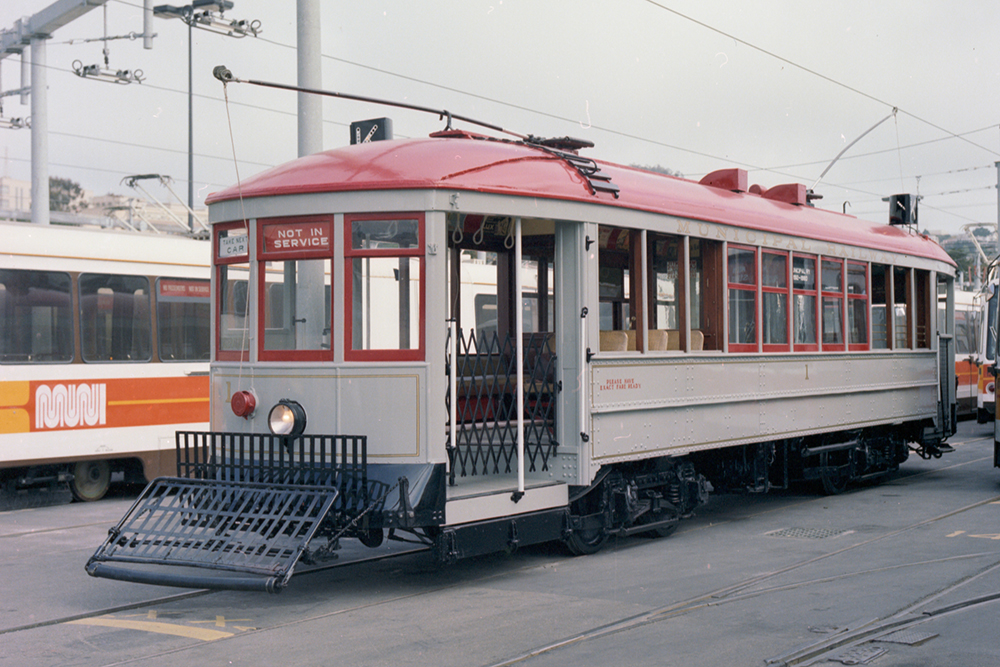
x=734, y=180
x=790, y=193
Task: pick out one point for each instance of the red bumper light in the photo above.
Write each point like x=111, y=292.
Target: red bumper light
x=243, y=404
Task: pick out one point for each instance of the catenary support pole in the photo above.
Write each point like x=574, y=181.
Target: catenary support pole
x=39, y=134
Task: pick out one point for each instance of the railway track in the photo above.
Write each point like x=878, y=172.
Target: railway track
x=734, y=592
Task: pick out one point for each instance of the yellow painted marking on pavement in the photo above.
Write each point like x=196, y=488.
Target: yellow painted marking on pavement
x=158, y=628
x=991, y=536
x=956, y=533
x=220, y=621
x=151, y=614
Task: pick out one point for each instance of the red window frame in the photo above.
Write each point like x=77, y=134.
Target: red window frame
x=350, y=253
x=786, y=291
x=219, y=261
x=744, y=287
x=858, y=347
x=264, y=255
x=817, y=312
x=841, y=297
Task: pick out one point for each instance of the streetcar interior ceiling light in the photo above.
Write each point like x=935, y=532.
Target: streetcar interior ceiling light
x=287, y=418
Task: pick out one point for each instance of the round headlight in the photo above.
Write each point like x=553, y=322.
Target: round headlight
x=287, y=418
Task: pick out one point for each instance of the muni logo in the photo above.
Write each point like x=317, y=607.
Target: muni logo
x=71, y=405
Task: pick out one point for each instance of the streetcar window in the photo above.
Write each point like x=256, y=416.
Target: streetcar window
x=232, y=288
x=922, y=308
x=832, y=287
x=384, y=288
x=857, y=305
x=965, y=331
x=665, y=292
x=294, y=273
x=880, y=288
x=774, y=292
x=183, y=309
x=901, y=313
x=706, y=286
x=36, y=317
x=742, y=286
x=614, y=279
x=806, y=302
x=296, y=312
x=115, y=317
x=232, y=254
x=991, y=326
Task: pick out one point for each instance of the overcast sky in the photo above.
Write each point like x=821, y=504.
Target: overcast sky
x=778, y=87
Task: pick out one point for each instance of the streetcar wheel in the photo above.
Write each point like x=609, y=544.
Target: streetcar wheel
x=834, y=484
x=586, y=542
x=371, y=538
x=665, y=531
x=91, y=480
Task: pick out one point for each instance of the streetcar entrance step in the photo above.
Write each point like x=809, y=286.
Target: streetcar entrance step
x=238, y=536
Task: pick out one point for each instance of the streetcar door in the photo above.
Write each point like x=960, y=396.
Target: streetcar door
x=485, y=307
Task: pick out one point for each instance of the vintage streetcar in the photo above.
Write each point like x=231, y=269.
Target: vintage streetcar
x=479, y=344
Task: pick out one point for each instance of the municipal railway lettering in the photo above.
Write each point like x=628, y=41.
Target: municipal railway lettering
x=68, y=406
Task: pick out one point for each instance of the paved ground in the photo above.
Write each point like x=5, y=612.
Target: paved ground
x=750, y=578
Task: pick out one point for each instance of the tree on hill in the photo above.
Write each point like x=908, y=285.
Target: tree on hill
x=65, y=195
x=660, y=170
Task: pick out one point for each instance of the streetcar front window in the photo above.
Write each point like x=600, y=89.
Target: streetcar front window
x=294, y=278
x=384, y=287
x=233, y=287
x=232, y=254
x=36, y=317
x=297, y=305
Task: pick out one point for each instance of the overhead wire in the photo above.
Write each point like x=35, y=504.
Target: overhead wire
x=777, y=170
x=816, y=73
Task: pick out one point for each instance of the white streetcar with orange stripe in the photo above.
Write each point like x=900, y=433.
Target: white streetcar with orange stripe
x=104, y=347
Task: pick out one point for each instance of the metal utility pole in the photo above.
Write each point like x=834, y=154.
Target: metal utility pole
x=201, y=14
x=33, y=31
x=310, y=75
x=39, y=133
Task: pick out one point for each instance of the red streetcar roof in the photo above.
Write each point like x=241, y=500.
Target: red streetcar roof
x=460, y=162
